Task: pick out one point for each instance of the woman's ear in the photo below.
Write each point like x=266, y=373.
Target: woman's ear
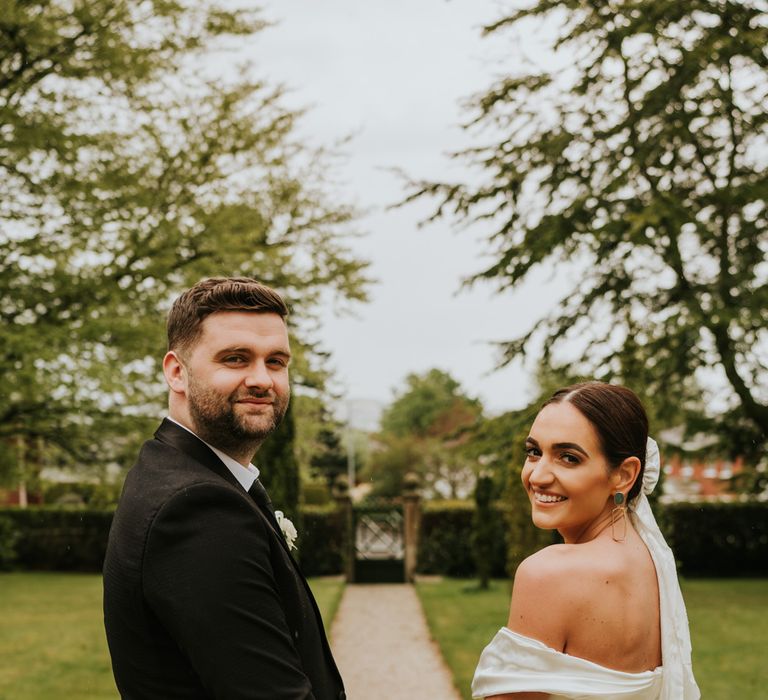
x=625, y=475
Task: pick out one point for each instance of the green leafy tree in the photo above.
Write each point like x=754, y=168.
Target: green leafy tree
x=430, y=404
x=423, y=430
x=391, y=459
x=129, y=170
x=643, y=162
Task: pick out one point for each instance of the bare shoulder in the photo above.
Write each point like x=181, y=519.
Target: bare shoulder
x=549, y=565
x=543, y=594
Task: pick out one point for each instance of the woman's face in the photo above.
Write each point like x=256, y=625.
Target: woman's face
x=566, y=474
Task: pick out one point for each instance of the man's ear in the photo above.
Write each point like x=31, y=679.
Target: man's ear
x=175, y=372
x=625, y=475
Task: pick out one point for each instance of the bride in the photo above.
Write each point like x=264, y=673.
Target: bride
x=600, y=616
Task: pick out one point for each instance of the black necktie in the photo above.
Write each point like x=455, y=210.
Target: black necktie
x=259, y=494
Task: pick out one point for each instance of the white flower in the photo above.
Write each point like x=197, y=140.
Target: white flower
x=287, y=528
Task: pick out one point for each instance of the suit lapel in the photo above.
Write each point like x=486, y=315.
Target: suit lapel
x=192, y=446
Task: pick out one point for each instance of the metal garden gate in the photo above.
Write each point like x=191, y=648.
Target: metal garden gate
x=379, y=544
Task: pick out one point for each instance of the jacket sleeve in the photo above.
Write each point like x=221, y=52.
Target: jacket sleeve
x=208, y=577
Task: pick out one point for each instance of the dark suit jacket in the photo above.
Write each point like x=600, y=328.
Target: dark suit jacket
x=201, y=596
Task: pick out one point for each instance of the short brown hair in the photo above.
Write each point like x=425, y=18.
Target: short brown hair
x=618, y=417
x=213, y=294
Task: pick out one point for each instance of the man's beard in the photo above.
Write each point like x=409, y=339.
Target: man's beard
x=218, y=424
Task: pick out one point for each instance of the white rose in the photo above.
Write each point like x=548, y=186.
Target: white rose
x=287, y=528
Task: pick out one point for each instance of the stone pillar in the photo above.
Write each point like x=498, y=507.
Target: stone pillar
x=411, y=516
x=344, y=505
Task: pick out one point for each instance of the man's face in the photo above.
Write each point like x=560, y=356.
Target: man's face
x=236, y=385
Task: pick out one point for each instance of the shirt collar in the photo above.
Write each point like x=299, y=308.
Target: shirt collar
x=244, y=475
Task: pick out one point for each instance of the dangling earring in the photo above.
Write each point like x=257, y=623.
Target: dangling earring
x=619, y=518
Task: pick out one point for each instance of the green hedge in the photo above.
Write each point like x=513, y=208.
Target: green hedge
x=50, y=538
x=718, y=539
x=320, y=541
x=58, y=539
x=445, y=540
x=709, y=539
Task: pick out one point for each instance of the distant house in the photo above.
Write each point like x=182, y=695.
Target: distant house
x=19, y=496
x=687, y=479
x=690, y=475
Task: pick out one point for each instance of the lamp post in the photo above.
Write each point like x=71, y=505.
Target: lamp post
x=350, y=455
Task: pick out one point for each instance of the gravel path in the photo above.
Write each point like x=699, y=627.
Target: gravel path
x=382, y=646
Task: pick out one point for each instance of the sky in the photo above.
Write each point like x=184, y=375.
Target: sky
x=393, y=75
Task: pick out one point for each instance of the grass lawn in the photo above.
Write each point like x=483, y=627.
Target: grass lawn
x=728, y=617
x=52, y=642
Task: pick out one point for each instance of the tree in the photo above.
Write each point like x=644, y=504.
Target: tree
x=330, y=458
x=431, y=404
x=423, y=430
x=128, y=170
x=279, y=469
x=484, y=528
x=395, y=457
x=642, y=162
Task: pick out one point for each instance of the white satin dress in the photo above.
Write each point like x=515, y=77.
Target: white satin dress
x=512, y=663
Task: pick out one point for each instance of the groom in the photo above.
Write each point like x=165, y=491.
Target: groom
x=202, y=598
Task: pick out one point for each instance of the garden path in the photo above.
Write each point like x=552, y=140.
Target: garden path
x=382, y=646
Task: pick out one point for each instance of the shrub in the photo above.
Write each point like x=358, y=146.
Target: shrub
x=320, y=542
x=316, y=493
x=709, y=539
x=58, y=539
x=718, y=539
x=486, y=530
x=9, y=537
x=446, y=538
x=95, y=496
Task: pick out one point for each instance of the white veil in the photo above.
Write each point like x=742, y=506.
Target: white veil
x=678, y=680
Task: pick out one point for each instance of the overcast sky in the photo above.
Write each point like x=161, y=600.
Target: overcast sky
x=393, y=74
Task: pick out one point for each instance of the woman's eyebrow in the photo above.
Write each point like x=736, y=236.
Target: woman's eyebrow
x=570, y=446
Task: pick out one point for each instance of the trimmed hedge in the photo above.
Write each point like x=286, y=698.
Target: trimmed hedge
x=319, y=547
x=709, y=539
x=718, y=539
x=50, y=538
x=59, y=539
x=446, y=536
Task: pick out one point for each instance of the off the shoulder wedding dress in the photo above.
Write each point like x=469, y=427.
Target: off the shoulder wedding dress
x=514, y=663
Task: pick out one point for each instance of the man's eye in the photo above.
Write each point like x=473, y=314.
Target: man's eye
x=233, y=359
x=278, y=362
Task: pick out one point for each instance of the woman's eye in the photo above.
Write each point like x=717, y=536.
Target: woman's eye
x=532, y=451
x=570, y=458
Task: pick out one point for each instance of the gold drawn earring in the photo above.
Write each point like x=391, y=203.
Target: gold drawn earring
x=619, y=518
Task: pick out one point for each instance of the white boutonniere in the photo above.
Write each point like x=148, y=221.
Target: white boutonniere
x=287, y=528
